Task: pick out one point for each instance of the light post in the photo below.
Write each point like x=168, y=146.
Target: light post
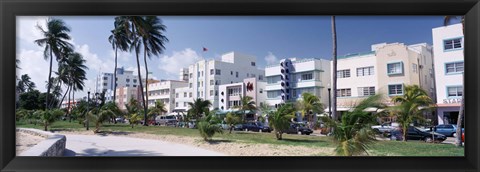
x=88, y=104
x=329, y=102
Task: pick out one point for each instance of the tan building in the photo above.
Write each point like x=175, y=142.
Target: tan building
x=386, y=69
x=124, y=94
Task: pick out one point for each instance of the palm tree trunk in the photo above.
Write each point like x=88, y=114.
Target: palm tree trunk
x=68, y=88
x=141, y=90
x=49, y=80
x=115, y=77
x=334, y=70
x=458, y=139
x=68, y=106
x=146, y=75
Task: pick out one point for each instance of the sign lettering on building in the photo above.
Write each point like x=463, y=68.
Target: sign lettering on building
x=452, y=101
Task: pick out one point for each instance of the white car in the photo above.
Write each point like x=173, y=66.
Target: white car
x=166, y=120
x=385, y=127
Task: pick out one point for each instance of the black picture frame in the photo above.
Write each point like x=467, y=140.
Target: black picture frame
x=11, y=8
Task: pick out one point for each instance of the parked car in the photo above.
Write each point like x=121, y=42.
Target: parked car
x=296, y=128
x=238, y=127
x=415, y=133
x=463, y=137
x=447, y=129
x=383, y=128
x=166, y=120
x=256, y=126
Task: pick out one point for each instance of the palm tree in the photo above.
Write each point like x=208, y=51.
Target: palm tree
x=310, y=105
x=411, y=106
x=158, y=109
x=246, y=103
x=232, y=119
x=25, y=84
x=153, y=42
x=133, y=108
x=55, y=41
x=71, y=71
x=48, y=117
x=208, y=126
x=280, y=119
x=353, y=133
x=198, y=108
x=107, y=111
x=334, y=69
x=458, y=139
x=119, y=40
x=139, y=27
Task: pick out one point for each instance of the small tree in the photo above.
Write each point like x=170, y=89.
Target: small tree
x=208, y=126
x=232, y=119
x=280, y=119
x=353, y=133
x=98, y=116
x=48, y=117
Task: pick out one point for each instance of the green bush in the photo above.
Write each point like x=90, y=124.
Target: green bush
x=208, y=126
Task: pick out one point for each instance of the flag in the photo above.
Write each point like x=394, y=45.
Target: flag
x=205, y=49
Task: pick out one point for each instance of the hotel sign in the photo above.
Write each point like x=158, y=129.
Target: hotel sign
x=452, y=101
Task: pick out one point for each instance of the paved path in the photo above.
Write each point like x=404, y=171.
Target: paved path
x=90, y=145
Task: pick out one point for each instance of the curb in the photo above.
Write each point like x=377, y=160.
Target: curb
x=53, y=145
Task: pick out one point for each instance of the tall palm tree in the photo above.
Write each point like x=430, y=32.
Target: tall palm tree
x=458, y=139
x=74, y=67
x=411, y=106
x=199, y=107
x=54, y=39
x=280, y=119
x=246, y=103
x=353, y=132
x=334, y=69
x=310, y=105
x=138, y=26
x=153, y=42
x=158, y=109
x=119, y=40
x=25, y=84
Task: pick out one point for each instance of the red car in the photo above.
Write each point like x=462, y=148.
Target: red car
x=463, y=137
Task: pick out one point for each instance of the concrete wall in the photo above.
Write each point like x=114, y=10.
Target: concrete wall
x=53, y=145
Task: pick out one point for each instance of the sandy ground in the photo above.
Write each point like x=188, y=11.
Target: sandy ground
x=224, y=146
x=26, y=141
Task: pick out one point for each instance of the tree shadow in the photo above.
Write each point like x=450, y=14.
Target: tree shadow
x=113, y=133
x=98, y=152
x=302, y=140
x=214, y=142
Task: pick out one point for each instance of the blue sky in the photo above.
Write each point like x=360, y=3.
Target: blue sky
x=269, y=38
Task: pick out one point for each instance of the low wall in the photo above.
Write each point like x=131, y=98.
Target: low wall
x=53, y=145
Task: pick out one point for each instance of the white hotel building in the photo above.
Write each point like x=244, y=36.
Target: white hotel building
x=105, y=82
x=205, y=76
x=449, y=66
x=287, y=80
x=230, y=93
x=386, y=69
x=165, y=91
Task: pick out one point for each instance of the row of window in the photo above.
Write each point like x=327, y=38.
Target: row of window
x=452, y=44
x=219, y=72
x=303, y=77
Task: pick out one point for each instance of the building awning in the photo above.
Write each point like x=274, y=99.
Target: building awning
x=449, y=105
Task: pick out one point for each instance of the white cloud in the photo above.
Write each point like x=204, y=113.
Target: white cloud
x=172, y=64
x=94, y=63
x=271, y=58
x=27, y=27
x=121, y=56
x=33, y=64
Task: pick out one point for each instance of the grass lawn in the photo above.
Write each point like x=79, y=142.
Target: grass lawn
x=380, y=148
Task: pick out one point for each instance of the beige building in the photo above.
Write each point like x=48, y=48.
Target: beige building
x=386, y=69
x=124, y=94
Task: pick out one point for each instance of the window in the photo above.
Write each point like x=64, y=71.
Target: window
x=116, y=79
x=343, y=73
x=252, y=75
x=235, y=91
x=273, y=94
x=189, y=94
x=454, y=67
x=176, y=104
x=212, y=82
x=191, y=75
x=455, y=91
x=452, y=44
x=211, y=92
x=190, y=85
x=347, y=92
x=231, y=72
x=128, y=80
x=105, y=78
x=216, y=92
x=212, y=71
x=366, y=91
x=395, y=68
x=252, y=63
x=236, y=74
x=217, y=72
x=134, y=85
x=184, y=104
x=126, y=85
x=395, y=89
x=134, y=81
x=273, y=79
x=414, y=68
x=176, y=95
x=260, y=77
x=307, y=76
x=198, y=74
x=261, y=90
x=365, y=71
x=185, y=94
x=217, y=82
